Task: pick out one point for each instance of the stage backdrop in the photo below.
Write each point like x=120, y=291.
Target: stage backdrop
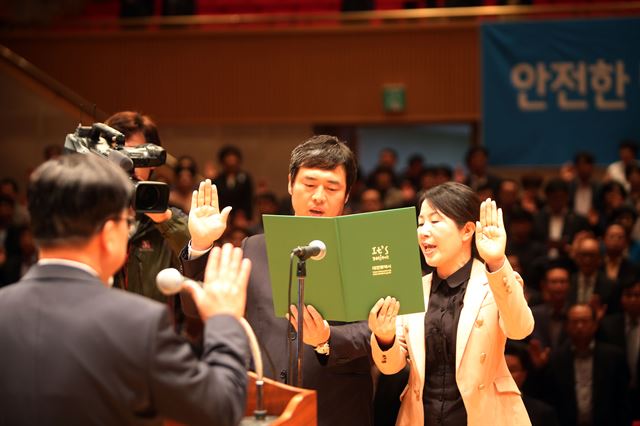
x=552, y=88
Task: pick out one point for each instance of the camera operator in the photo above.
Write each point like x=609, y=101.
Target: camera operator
x=157, y=238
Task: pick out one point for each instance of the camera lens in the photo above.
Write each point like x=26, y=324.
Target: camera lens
x=147, y=197
x=151, y=197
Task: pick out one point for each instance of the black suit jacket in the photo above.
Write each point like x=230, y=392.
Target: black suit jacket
x=540, y=413
x=612, y=330
x=75, y=352
x=604, y=288
x=342, y=379
x=542, y=314
x=610, y=382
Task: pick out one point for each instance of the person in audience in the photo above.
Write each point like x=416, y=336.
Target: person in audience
x=235, y=185
x=336, y=364
x=80, y=353
x=519, y=364
x=382, y=180
x=185, y=173
x=10, y=253
x=627, y=216
x=628, y=153
x=530, y=199
x=9, y=187
x=612, y=197
x=476, y=160
x=550, y=317
x=508, y=198
x=587, y=380
x=589, y=283
x=370, y=201
x=618, y=269
x=455, y=349
x=388, y=161
x=622, y=329
x=266, y=203
x=584, y=188
x=555, y=224
x=521, y=243
x=414, y=170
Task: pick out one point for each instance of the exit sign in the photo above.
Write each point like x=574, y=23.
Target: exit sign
x=393, y=98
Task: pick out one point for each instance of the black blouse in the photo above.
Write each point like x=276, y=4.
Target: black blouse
x=441, y=398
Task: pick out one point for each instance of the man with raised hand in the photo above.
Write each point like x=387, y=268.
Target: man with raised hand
x=77, y=352
x=337, y=364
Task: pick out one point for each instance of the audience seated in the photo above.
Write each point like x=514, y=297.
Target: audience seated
x=556, y=224
x=622, y=329
x=586, y=380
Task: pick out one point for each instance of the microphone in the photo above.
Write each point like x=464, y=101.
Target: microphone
x=316, y=250
x=169, y=281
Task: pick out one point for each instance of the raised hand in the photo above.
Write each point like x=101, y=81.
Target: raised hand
x=538, y=354
x=382, y=320
x=316, y=330
x=224, y=290
x=206, y=222
x=491, y=237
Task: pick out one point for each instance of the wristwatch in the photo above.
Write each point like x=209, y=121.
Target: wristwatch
x=323, y=348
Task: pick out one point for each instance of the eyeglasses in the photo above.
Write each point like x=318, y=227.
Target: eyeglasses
x=131, y=221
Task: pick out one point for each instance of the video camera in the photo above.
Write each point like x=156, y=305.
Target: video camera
x=102, y=140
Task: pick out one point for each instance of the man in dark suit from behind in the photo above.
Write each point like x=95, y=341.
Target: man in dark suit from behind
x=76, y=352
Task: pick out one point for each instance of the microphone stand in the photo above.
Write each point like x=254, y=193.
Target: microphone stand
x=301, y=274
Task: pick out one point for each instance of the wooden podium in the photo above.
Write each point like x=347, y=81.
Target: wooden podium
x=293, y=406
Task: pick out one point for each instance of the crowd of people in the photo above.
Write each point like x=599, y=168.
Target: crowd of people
x=573, y=240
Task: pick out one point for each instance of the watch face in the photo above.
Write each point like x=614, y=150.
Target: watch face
x=322, y=349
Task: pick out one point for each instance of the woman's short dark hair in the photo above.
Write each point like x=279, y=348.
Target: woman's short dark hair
x=324, y=152
x=456, y=201
x=71, y=196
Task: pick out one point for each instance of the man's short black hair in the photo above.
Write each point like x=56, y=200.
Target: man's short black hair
x=629, y=144
x=324, y=152
x=71, y=196
x=475, y=150
x=229, y=150
x=584, y=156
x=556, y=185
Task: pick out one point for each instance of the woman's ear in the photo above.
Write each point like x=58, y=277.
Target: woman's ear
x=467, y=231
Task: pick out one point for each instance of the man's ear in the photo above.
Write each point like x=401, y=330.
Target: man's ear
x=289, y=184
x=346, y=198
x=107, y=236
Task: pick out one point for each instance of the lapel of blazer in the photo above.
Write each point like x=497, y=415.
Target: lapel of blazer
x=477, y=289
x=414, y=328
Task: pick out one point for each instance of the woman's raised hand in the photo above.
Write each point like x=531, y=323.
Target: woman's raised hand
x=382, y=320
x=491, y=236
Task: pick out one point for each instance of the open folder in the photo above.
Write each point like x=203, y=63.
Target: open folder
x=368, y=256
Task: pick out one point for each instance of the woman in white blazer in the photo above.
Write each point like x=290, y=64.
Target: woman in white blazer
x=455, y=349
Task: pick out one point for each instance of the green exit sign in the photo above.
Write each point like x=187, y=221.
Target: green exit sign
x=393, y=98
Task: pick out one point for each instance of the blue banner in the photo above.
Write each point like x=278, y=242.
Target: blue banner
x=553, y=88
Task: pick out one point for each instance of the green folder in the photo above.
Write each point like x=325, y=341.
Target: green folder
x=369, y=256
